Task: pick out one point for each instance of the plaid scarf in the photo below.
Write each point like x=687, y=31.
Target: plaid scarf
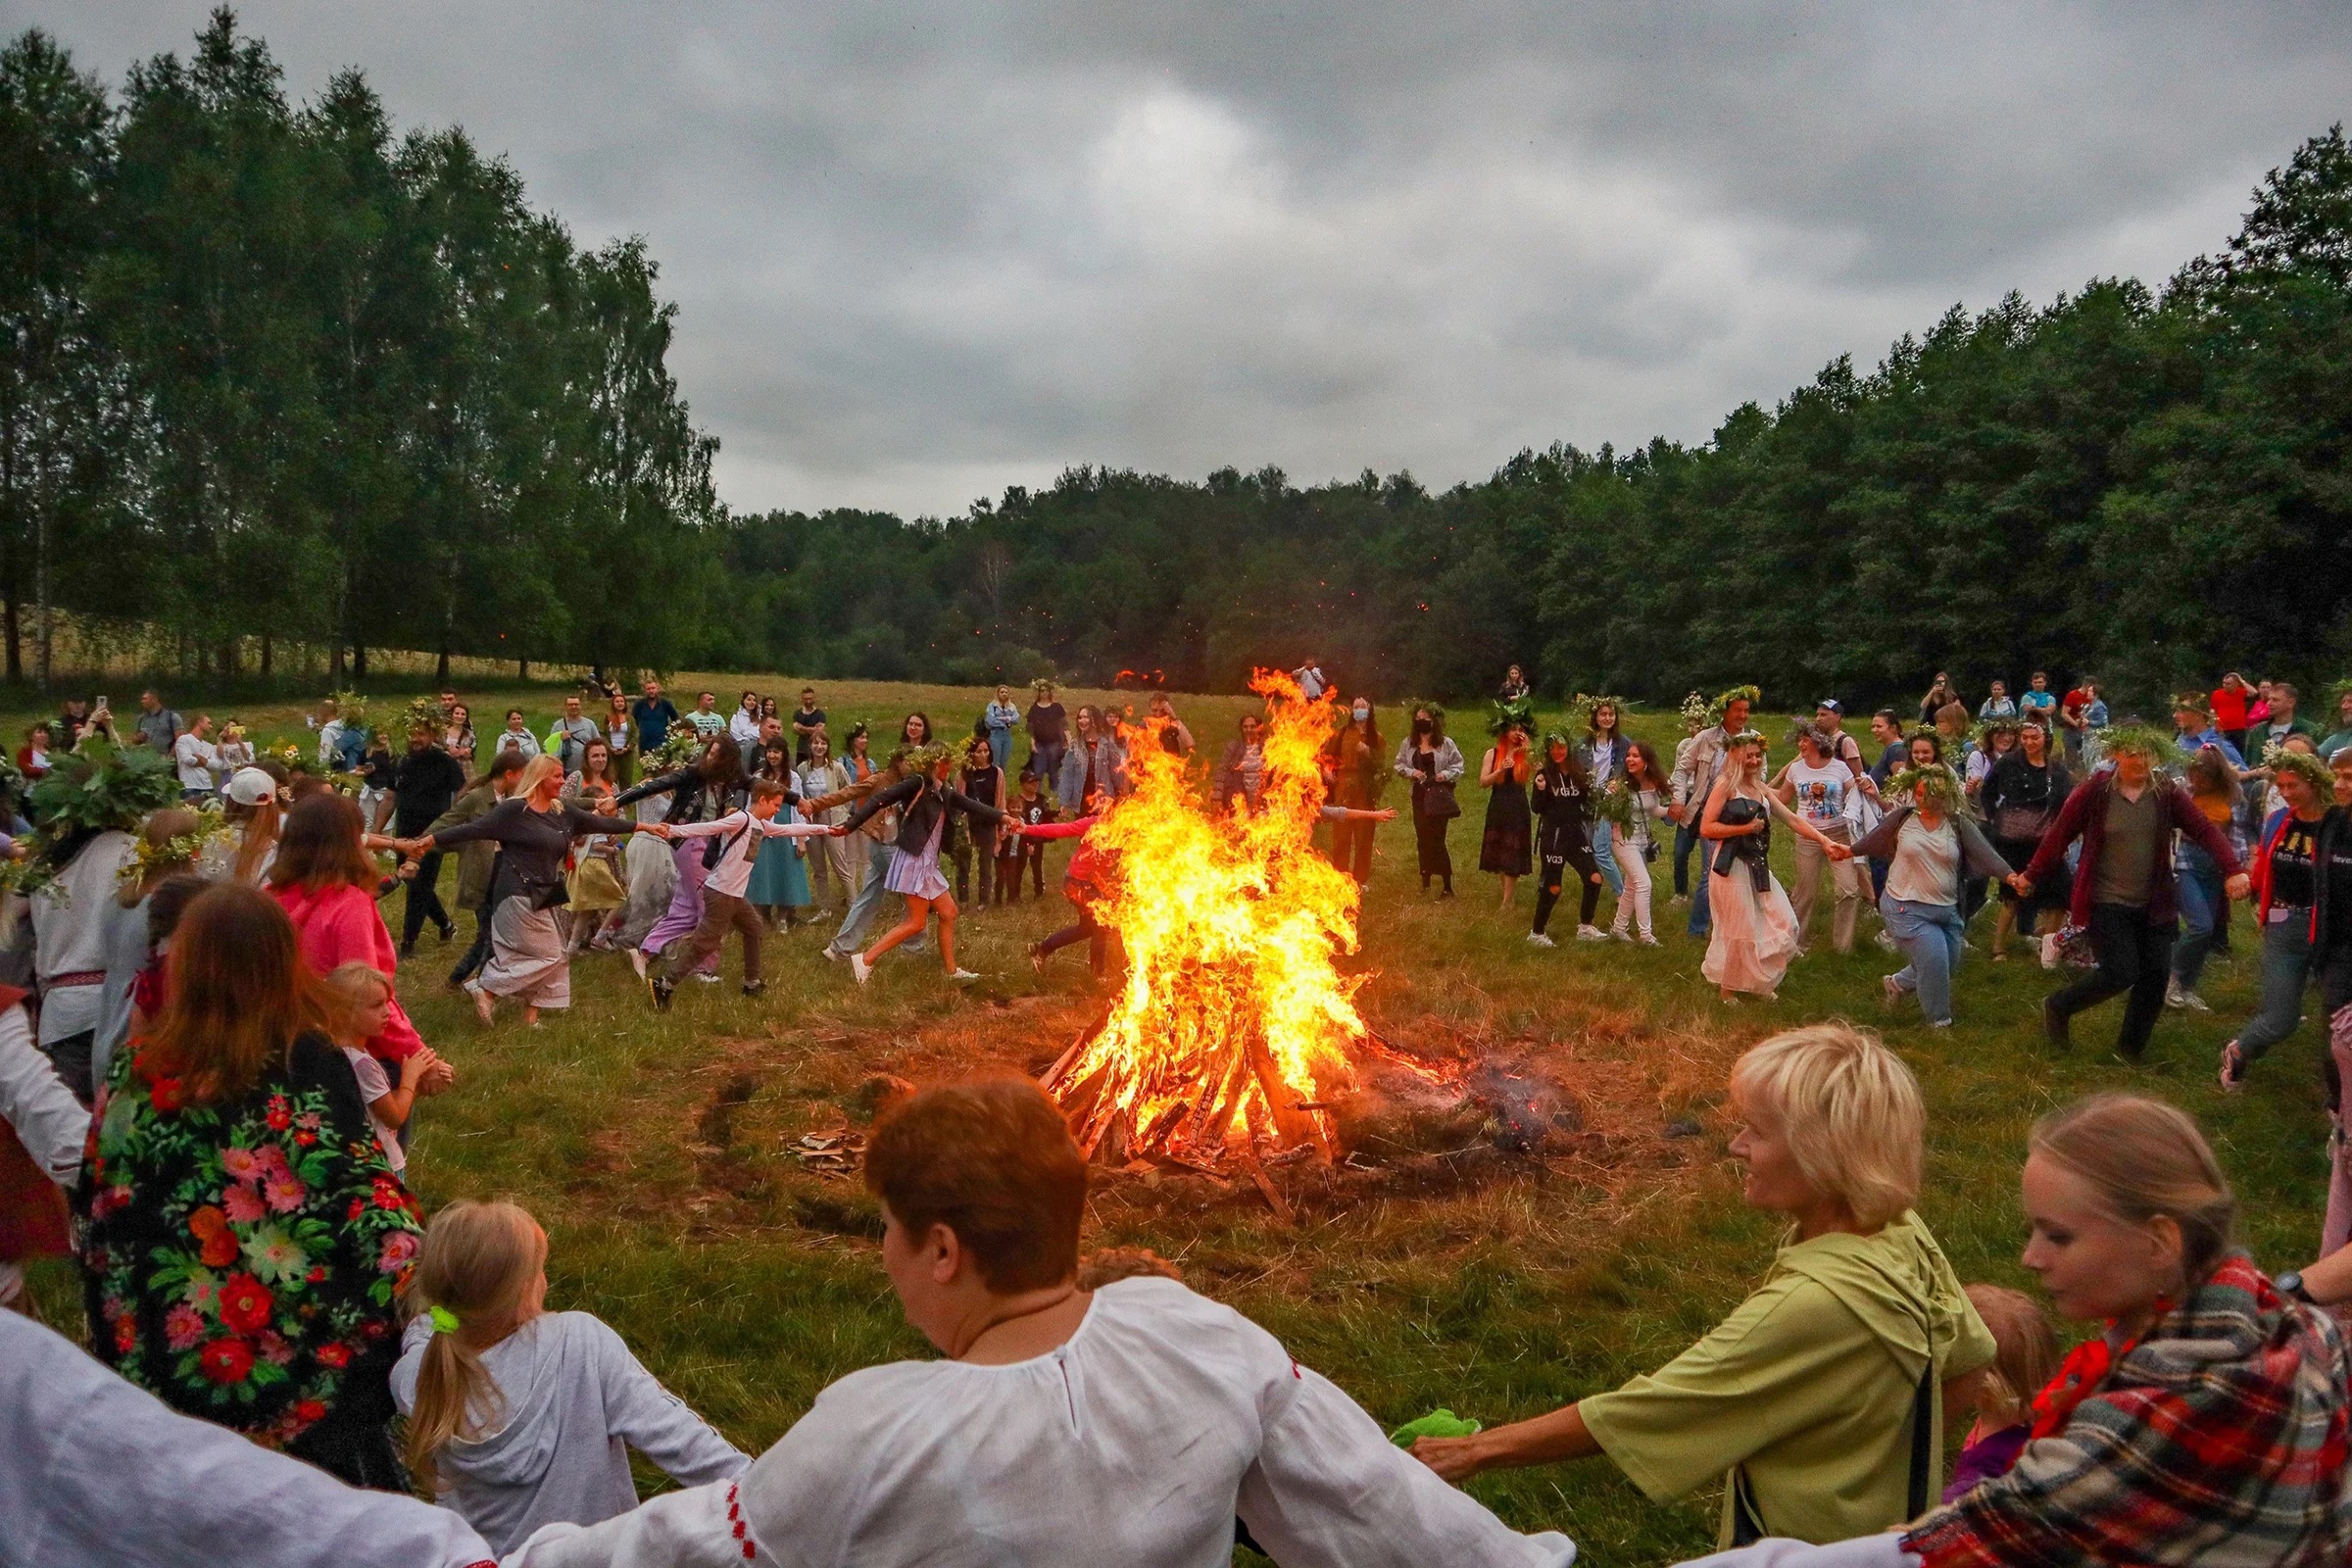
x=2219, y=1439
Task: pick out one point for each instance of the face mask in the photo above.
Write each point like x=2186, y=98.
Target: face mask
x=1363, y=714
x=1420, y=726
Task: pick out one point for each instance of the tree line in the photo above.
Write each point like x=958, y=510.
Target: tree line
x=275, y=373
x=2144, y=485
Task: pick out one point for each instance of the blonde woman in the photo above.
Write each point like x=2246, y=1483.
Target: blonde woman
x=1753, y=933
x=1820, y=1399
x=522, y=1417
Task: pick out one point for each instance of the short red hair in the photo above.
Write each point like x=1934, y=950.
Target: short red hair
x=993, y=1161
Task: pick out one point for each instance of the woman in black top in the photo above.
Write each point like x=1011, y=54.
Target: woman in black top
x=1049, y=735
x=2302, y=872
x=1562, y=804
x=534, y=829
x=983, y=781
x=928, y=801
x=2021, y=797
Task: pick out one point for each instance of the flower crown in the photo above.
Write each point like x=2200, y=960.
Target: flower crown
x=1585, y=704
x=1723, y=704
x=2152, y=742
x=1518, y=713
x=1937, y=778
x=1694, y=709
x=2305, y=764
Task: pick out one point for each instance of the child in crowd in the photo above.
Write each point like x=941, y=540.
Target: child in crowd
x=2025, y=1359
x=1017, y=853
x=359, y=999
x=724, y=907
x=521, y=1417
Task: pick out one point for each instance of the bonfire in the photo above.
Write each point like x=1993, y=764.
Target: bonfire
x=1233, y=1028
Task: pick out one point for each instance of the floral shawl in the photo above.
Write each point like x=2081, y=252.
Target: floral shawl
x=2218, y=1439
x=240, y=1259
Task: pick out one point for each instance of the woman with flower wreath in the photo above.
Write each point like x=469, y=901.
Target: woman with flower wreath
x=1506, y=847
x=241, y=1238
x=1753, y=932
x=2302, y=875
x=1604, y=748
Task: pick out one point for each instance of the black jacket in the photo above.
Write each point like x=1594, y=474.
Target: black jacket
x=925, y=801
x=691, y=799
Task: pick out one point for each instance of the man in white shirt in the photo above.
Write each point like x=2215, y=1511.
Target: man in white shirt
x=1309, y=676
x=195, y=755
x=706, y=718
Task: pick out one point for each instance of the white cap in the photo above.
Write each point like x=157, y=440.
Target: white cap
x=250, y=786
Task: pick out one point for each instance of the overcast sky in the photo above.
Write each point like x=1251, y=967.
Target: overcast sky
x=924, y=252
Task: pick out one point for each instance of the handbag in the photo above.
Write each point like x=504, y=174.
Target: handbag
x=1436, y=800
x=2019, y=823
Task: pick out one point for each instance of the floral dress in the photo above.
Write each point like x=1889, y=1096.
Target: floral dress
x=240, y=1259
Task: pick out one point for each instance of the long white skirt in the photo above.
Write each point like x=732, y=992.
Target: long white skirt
x=1753, y=936
x=526, y=956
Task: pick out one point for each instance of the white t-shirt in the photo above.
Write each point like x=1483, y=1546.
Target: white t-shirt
x=374, y=1085
x=195, y=759
x=733, y=874
x=1926, y=869
x=1135, y=1443
x=1821, y=795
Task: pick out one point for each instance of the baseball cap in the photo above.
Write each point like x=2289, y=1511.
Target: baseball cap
x=1830, y=702
x=250, y=786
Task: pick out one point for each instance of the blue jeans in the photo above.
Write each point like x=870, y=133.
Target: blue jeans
x=1603, y=857
x=2286, y=969
x=1686, y=838
x=851, y=935
x=2202, y=909
x=1930, y=935
x=1702, y=921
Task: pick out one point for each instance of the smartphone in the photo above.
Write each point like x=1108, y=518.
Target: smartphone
x=102, y=702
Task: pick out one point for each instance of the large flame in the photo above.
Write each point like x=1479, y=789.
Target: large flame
x=1231, y=1025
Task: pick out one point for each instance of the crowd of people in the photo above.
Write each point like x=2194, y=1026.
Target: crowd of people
x=207, y=1077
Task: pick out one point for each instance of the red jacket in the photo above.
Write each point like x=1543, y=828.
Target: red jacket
x=2084, y=815
x=2230, y=708
x=337, y=925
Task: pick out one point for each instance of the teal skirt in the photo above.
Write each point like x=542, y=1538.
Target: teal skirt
x=779, y=877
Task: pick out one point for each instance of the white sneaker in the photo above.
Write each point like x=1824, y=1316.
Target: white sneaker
x=2172, y=995
x=1536, y=939
x=964, y=977
x=1618, y=933
x=1590, y=933
x=2195, y=1002
x=1647, y=939
x=860, y=968
x=831, y=956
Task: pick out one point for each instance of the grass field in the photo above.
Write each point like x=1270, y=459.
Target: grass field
x=654, y=1147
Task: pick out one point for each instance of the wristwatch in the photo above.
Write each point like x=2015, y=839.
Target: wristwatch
x=2291, y=1284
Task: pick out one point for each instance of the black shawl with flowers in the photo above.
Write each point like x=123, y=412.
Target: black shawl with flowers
x=241, y=1258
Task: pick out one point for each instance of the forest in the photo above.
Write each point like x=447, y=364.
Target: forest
x=277, y=374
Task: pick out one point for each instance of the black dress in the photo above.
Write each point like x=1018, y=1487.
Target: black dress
x=1507, y=849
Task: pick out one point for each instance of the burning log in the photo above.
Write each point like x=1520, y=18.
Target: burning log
x=1233, y=1028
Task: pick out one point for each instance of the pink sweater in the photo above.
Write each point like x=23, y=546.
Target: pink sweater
x=340, y=924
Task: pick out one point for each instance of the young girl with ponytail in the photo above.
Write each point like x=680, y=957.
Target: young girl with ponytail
x=522, y=1417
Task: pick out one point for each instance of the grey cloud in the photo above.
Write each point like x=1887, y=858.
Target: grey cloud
x=926, y=251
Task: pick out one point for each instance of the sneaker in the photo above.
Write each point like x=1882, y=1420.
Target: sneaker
x=2053, y=1027
x=1618, y=933
x=1885, y=938
x=1890, y=991
x=2195, y=1002
x=1648, y=940
x=964, y=977
x=831, y=956
x=1939, y=1023
x=1590, y=933
x=662, y=991
x=707, y=977
x=407, y=952
x=1680, y=897
x=2049, y=950
x=2234, y=1068
x=754, y=988
x=860, y=969
x=1536, y=939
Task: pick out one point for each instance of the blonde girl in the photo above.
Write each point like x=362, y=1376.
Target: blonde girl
x=521, y=1417
x=359, y=1005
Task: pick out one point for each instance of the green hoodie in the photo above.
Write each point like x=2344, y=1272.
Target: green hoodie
x=1805, y=1393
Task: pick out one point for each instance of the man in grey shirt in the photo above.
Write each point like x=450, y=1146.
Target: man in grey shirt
x=573, y=733
x=157, y=726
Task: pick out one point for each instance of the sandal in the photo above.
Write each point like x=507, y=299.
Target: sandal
x=2234, y=1068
